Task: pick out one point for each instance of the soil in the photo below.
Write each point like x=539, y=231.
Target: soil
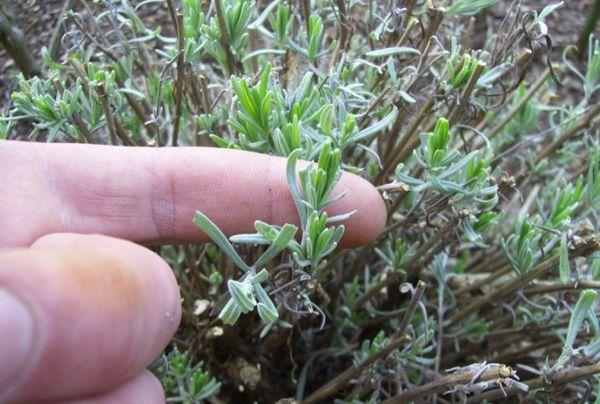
x=38, y=19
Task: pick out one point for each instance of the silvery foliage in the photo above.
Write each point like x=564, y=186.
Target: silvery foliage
x=312, y=193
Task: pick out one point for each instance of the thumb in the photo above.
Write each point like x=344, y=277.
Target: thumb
x=81, y=315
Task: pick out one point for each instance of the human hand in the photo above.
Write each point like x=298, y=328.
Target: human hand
x=81, y=316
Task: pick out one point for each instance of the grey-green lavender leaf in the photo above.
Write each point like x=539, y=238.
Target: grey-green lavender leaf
x=396, y=50
x=217, y=236
x=266, y=309
x=585, y=302
x=230, y=313
x=242, y=293
x=293, y=185
x=563, y=266
x=286, y=234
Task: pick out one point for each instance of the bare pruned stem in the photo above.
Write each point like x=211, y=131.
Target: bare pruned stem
x=110, y=124
x=460, y=377
x=581, y=123
x=54, y=46
x=231, y=64
x=394, y=188
x=573, y=286
x=139, y=110
x=345, y=27
x=412, y=307
x=114, y=128
x=436, y=16
x=122, y=133
x=395, y=158
x=412, y=263
x=588, y=246
x=503, y=270
x=82, y=126
x=560, y=378
x=177, y=20
x=515, y=110
x=13, y=40
x=305, y=9
x=588, y=28
x=343, y=378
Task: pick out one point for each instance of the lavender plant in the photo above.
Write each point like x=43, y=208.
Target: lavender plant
x=482, y=285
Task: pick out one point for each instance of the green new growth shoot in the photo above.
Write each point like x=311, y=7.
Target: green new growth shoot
x=317, y=183
x=469, y=7
x=582, y=310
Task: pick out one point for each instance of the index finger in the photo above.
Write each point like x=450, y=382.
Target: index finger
x=149, y=195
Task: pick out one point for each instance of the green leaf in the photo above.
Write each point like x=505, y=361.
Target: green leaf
x=219, y=141
x=217, y=236
x=266, y=309
x=249, y=239
x=396, y=50
x=563, y=266
x=469, y=7
x=379, y=126
x=585, y=302
x=242, y=293
x=261, y=52
x=266, y=314
x=280, y=243
x=263, y=16
x=260, y=277
x=230, y=313
x=293, y=185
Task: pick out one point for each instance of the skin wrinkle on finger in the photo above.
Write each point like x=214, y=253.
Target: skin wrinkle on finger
x=123, y=297
x=150, y=195
x=163, y=209
x=49, y=180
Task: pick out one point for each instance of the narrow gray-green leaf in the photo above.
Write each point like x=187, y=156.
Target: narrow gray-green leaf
x=494, y=74
x=406, y=97
x=242, y=294
x=396, y=50
x=293, y=185
x=249, y=239
x=379, y=126
x=563, y=266
x=217, y=236
x=286, y=234
x=340, y=218
x=267, y=315
x=266, y=309
x=230, y=313
x=263, y=16
x=263, y=52
x=260, y=277
x=585, y=302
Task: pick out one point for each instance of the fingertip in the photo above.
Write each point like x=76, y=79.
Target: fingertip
x=371, y=214
x=134, y=253
x=107, y=307
x=144, y=388
x=57, y=240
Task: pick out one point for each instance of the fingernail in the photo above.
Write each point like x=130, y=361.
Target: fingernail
x=16, y=335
